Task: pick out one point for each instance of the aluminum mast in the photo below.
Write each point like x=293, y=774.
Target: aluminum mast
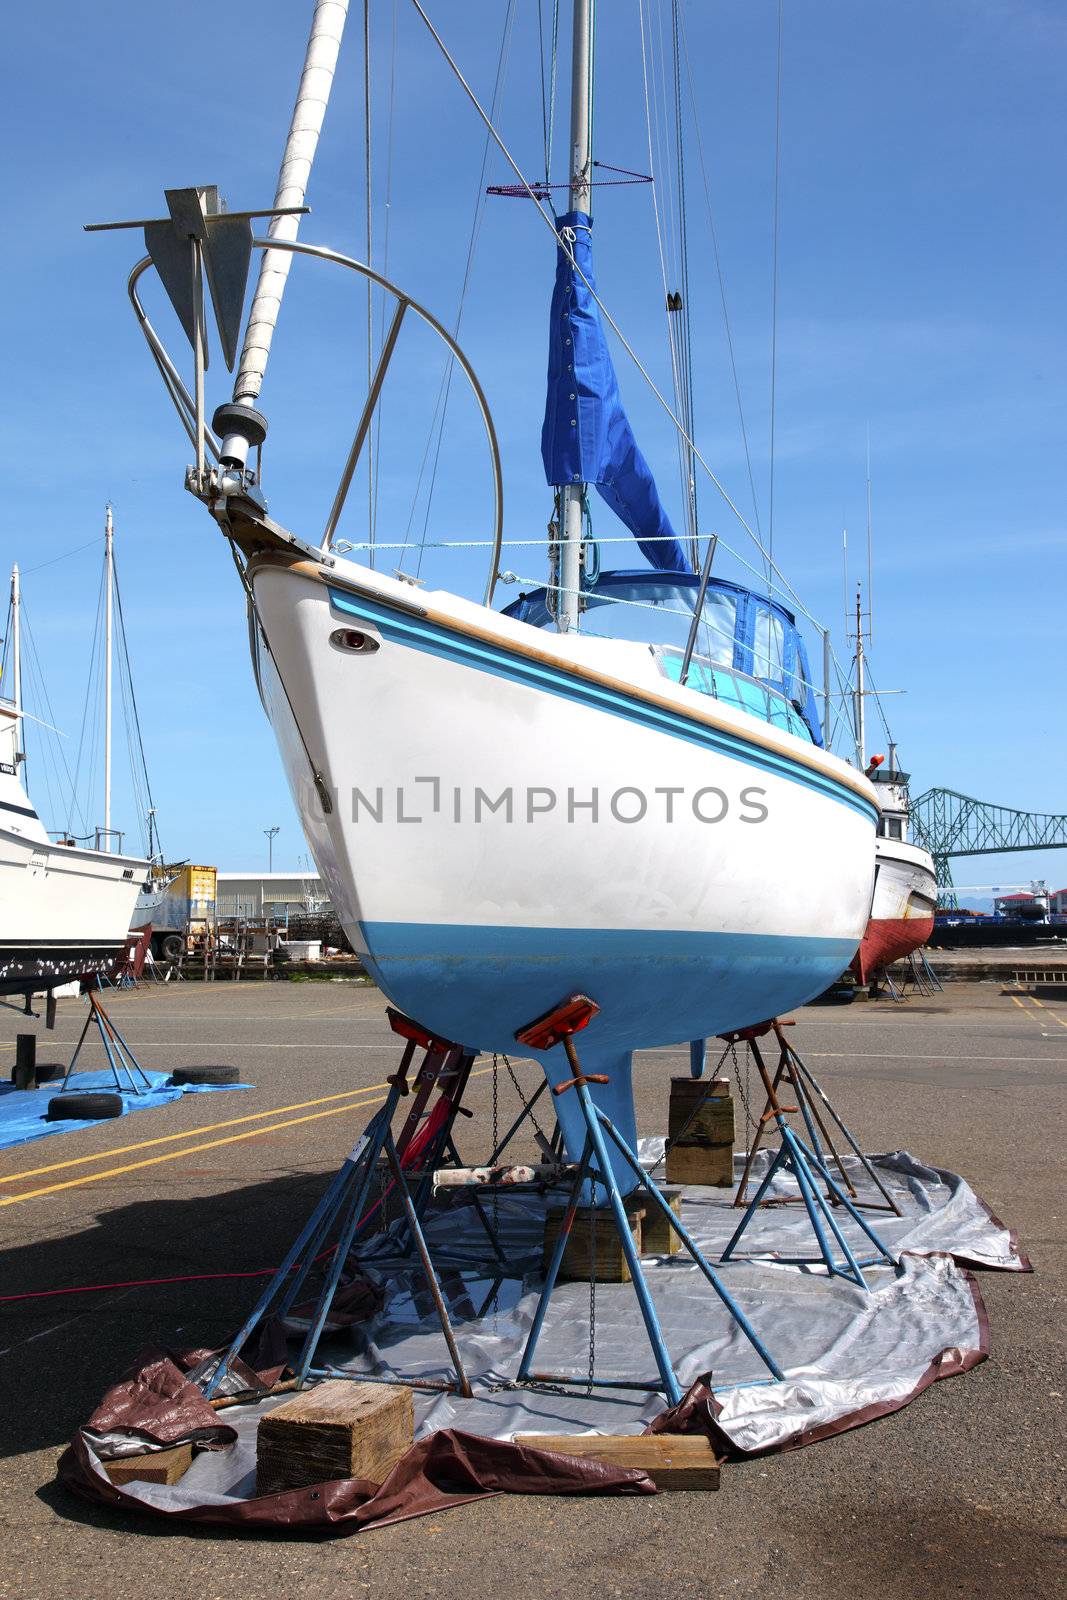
x=581, y=199
x=312, y=98
x=109, y=585
x=16, y=662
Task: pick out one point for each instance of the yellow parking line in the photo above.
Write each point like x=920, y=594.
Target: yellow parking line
x=210, y=1144
x=1048, y=1010
x=188, y=1133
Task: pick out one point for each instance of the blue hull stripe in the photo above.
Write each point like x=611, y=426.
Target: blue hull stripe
x=450, y=645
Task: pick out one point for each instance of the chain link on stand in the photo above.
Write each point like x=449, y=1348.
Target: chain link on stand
x=519, y=1091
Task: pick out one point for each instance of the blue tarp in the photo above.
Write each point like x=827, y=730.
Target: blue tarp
x=586, y=437
x=23, y=1111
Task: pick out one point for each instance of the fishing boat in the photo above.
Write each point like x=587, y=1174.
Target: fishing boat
x=64, y=909
x=511, y=805
x=905, y=879
x=905, y=882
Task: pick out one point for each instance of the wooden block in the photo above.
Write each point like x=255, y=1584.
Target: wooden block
x=340, y=1429
x=154, y=1466
x=658, y=1238
x=700, y=1112
x=711, y=1165
x=672, y=1460
x=586, y=1241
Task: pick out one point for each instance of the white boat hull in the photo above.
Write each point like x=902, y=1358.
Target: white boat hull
x=476, y=920
x=64, y=911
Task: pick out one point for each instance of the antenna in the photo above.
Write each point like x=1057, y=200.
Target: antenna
x=870, y=585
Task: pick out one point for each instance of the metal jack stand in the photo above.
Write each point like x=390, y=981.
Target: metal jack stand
x=802, y=1084
x=344, y=1206
x=809, y=1170
x=558, y=1027
x=120, y=1057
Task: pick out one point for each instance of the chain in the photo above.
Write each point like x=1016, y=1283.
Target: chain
x=744, y=1089
x=496, y=1098
x=519, y=1091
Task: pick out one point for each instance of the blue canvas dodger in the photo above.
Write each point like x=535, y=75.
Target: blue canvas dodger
x=586, y=437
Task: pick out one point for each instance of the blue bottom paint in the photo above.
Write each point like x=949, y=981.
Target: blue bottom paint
x=478, y=985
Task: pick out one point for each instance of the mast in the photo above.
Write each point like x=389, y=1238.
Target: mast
x=861, y=731
x=570, y=568
x=16, y=662
x=109, y=585
x=312, y=98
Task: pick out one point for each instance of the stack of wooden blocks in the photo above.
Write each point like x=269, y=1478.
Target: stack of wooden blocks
x=700, y=1132
x=594, y=1237
x=340, y=1429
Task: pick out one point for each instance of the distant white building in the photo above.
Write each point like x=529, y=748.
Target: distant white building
x=269, y=894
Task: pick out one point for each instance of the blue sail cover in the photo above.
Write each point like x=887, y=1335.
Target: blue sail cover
x=586, y=437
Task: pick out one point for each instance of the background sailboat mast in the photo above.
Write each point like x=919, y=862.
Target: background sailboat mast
x=109, y=590
x=861, y=726
x=312, y=98
x=580, y=200
x=16, y=661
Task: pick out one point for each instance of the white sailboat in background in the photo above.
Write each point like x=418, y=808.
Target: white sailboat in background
x=505, y=806
x=65, y=909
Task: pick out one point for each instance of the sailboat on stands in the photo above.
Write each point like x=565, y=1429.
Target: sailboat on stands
x=65, y=909
x=506, y=806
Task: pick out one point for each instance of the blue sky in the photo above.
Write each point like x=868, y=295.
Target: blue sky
x=921, y=271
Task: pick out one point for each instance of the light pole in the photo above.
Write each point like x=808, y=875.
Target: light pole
x=270, y=832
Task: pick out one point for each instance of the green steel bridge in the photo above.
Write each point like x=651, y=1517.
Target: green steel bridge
x=951, y=824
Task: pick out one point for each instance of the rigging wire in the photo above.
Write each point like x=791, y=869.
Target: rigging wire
x=437, y=421
x=92, y=679
x=774, y=289
x=380, y=407
x=787, y=587
x=39, y=690
x=370, y=258
x=150, y=809
x=648, y=81
x=78, y=548
x=720, y=275
x=688, y=413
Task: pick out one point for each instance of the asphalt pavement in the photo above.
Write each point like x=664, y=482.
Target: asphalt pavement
x=960, y=1494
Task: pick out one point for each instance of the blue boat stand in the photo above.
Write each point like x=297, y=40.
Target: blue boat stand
x=120, y=1058
x=344, y=1206
x=809, y=1167
x=558, y=1027
x=802, y=1084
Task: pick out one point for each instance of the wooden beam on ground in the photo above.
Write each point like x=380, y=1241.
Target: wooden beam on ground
x=672, y=1460
x=154, y=1466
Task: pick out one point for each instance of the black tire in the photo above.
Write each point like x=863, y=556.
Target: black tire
x=172, y=947
x=205, y=1075
x=83, y=1107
